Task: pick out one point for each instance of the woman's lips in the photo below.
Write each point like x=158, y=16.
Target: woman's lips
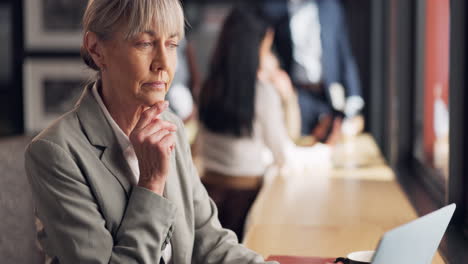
x=157, y=85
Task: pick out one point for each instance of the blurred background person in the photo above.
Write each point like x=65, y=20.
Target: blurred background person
x=271, y=72
x=312, y=43
x=185, y=88
x=242, y=120
x=186, y=83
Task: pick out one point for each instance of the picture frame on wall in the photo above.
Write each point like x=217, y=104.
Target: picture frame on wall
x=51, y=88
x=6, y=48
x=53, y=25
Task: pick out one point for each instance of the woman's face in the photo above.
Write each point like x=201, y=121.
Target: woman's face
x=139, y=70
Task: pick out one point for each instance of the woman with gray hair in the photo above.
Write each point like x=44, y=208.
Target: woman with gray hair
x=113, y=178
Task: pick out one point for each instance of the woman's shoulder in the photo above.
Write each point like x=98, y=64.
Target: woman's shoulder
x=266, y=93
x=62, y=131
x=265, y=86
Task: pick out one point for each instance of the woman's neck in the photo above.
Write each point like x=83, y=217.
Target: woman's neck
x=124, y=114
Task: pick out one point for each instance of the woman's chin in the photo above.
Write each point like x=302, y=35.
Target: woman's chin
x=150, y=100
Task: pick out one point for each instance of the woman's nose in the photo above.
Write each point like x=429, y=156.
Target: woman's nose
x=160, y=60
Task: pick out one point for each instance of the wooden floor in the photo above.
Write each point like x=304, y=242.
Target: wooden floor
x=330, y=212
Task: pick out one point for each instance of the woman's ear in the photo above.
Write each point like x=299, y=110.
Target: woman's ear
x=94, y=47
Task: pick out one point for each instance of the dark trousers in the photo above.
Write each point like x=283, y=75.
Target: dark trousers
x=313, y=105
x=233, y=202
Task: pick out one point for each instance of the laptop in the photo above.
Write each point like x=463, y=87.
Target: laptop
x=415, y=242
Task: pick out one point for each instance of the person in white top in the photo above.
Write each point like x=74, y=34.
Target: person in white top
x=243, y=128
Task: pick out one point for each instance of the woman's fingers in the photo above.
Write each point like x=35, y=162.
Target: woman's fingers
x=150, y=114
x=167, y=143
x=155, y=138
x=153, y=141
x=157, y=125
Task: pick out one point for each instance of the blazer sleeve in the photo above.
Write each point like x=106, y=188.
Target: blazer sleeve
x=73, y=223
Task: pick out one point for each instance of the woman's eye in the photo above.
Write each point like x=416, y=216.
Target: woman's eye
x=145, y=44
x=173, y=45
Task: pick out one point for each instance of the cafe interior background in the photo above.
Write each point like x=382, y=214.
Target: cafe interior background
x=412, y=62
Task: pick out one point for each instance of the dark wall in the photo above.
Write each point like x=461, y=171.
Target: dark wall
x=358, y=14
x=11, y=48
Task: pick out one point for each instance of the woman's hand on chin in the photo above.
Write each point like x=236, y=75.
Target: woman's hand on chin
x=153, y=143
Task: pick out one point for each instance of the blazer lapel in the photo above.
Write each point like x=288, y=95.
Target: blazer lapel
x=119, y=169
x=101, y=135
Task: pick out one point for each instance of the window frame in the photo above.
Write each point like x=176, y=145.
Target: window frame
x=398, y=45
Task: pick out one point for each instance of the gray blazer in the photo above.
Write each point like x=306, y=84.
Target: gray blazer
x=92, y=214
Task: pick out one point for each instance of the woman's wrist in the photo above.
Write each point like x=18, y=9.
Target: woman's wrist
x=154, y=186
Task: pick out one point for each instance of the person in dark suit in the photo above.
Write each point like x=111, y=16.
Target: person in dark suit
x=312, y=43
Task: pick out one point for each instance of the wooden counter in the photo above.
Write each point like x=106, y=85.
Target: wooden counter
x=330, y=212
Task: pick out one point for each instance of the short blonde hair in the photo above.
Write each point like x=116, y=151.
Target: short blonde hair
x=103, y=17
